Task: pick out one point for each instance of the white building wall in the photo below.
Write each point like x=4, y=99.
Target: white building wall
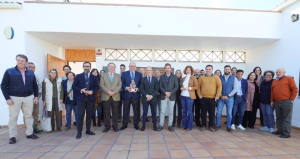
x=282, y=53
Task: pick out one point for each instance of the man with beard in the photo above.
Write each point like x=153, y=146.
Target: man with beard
x=85, y=86
x=229, y=88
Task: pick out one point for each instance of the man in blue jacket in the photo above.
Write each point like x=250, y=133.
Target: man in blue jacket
x=240, y=99
x=85, y=87
x=20, y=91
x=131, y=97
x=229, y=88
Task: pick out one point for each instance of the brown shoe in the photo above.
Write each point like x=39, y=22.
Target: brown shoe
x=228, y=129
x=182, y=128
x=32, y=136
x=58, y=129
x=216, y=128
x=12, y=140
x=188, y=129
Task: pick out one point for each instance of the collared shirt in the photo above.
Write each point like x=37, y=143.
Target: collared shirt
x=277, y=79
x=148, y=78
x=132, y=74
x=239, y=87
x=23, y=75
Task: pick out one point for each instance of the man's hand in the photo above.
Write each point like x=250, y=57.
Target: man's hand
x=9, y=102
x=168, y=94
x=61, y=101
x=110, y=93
x=136, y=89
x=222, y=97
x=44, y=103
x=128, y=89
x=272, y=104
x=149, y=97
x=83, y=90
x=35, y=100
x=216, y=98
x=89, y=92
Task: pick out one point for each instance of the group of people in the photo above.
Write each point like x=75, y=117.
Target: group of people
x=199, y=92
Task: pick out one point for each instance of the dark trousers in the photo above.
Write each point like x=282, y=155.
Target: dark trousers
x=153, y=107
x=99, y=113
x=249, y=118
x=208, y=105
x=55, y=110
x=85, y=106
x=114, y=106
x=284, y=110
x=120, y=109
x=136, y=110
x=179, y=108
x=197, y=107
x=261, y=117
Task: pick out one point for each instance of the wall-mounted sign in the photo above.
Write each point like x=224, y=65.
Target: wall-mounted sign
x=9, y=32
x=98, y=53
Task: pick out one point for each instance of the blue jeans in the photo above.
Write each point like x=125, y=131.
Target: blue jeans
x=69, y=108
x=268, y=115
x=239, y=106
x=229, y=105
x=187, y=112
x=153, y=107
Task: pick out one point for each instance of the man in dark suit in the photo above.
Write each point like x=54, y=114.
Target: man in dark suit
x=168, y=85
x=85, y=87
x=197, y=103
x=149, y=88
x=131, y=97
x=110, y=84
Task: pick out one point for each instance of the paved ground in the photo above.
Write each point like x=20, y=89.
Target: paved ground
x=149, y=144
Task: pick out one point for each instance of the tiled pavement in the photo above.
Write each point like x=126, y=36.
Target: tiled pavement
x=149, y=144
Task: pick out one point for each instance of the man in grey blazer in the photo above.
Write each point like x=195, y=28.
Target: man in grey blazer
x=110, y=84
x=168, y=85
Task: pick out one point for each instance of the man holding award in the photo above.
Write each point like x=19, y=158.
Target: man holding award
x=130, y=84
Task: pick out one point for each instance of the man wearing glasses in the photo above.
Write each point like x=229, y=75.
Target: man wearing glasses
x=85, y=86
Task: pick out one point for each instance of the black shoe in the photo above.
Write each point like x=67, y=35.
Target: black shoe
x=171, y=129
x=105, y=130
x=123, y=127
x=116, y=130
x=277, y=133
x=160, y=128
x=137, y=127
x=229, y=129
x=32, y=136
x=147, y=120
x=285, y=136
x=74, y=123
x=12, y=140
x=78, y=136
x=143, y=128
x=129, y=121
x=89, y=132
x=154, y=128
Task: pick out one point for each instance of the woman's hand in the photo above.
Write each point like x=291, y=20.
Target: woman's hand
x=44, y=103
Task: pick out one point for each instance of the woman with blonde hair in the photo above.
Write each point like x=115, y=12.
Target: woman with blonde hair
x=53, y=95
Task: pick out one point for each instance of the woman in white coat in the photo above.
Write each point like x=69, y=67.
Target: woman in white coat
x=53, y=95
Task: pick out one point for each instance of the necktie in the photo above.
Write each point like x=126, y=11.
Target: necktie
x=132, y=76
x=111, y=78
x=149, y=81
x=87, y=81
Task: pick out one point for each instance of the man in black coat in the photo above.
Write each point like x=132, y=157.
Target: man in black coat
x=149, y=88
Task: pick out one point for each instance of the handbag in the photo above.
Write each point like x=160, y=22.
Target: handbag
x=46, y=121
x=65, y=99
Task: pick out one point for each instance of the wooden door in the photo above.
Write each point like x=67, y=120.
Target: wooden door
x=58, y=64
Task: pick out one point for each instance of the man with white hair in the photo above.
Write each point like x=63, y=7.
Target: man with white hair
x=283, y=94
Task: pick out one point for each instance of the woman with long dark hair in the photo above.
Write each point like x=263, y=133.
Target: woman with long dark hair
x=98, y=106
x=260, y=79
x=252, y=101
x=218, y=73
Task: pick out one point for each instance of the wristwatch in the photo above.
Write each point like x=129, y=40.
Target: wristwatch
x=229, y=95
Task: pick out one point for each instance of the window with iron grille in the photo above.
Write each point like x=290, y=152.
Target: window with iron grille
x=238, y=57
x=140, y=54
x=165, y=55
x=189, y=56
x=116, y=54
x=212, y=56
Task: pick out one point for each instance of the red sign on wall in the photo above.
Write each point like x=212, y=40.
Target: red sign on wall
x=99, y=53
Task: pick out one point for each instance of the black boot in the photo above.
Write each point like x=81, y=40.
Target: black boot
x=94, y=123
